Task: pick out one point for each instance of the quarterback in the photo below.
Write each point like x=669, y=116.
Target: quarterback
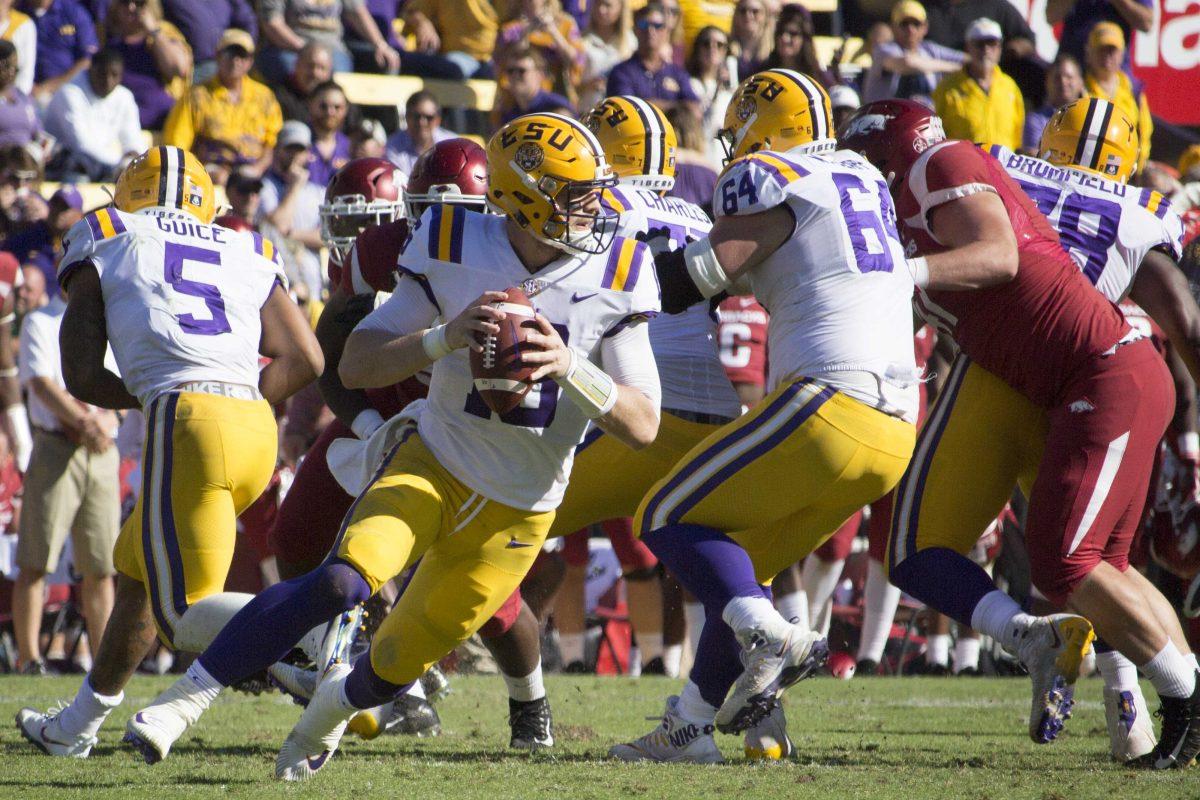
x=188, y=307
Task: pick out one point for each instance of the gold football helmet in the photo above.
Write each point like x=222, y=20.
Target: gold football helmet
x=545, y=173
x=1092, y=134
x=638, y=140
x=167, y=177
x=776, y=109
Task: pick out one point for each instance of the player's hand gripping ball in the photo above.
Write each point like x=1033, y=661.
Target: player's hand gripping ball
x=500, y=375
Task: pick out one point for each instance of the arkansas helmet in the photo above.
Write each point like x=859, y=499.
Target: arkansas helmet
x=892, y=134
x=166, y=177
x=234, y=223
x=545, y=173
x=1094, y=135
x=365, y=192
x=776, y=109
x=638, y=141
x=453, y=171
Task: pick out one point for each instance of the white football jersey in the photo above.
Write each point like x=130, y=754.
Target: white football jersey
x=685, y=345
x=1106, y=226
x=181, y=299
x=522, y=458
x=839, y=291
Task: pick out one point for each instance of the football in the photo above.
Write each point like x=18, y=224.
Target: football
x=500, y=376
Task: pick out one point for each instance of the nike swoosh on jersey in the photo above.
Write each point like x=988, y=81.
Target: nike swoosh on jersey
x=513, y=544
x=579, y=298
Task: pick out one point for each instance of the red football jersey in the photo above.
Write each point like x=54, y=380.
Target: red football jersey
x=742, y=335
x=371, y=265
x=10, y=276
x=1033, y=331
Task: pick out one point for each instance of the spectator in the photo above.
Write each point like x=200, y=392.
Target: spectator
x=980, y=103
x=40, y=245
x=31, y=294
x=673, y=50
x=66, y=42
x=843, y=102
x=202, y=21
x=713, y=80
x=20, y=182
x=525, y=74
x=244, y=193
x=648, y=73
x=327, y=109
x=19, y=123
x=72, y=486
x=19, y=29
x=158, y=61
x=314, y=66
x=1104, y=78
x=287, y=25
x=291, y=205
x=423, y=121
x=695, y=173
x=1064, y=84
x=607, y=41
x=462, y=32
x=950, y=20
x=794, y=47
x=543, y=26
x=909, y=67
x=95, y=120
x=752, y=35
x=1080, y=16
x=368, y=139
x=231, y=121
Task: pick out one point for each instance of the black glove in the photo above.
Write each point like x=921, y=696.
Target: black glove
x=679, y=292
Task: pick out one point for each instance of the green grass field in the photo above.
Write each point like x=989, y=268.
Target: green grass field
x=911, y=738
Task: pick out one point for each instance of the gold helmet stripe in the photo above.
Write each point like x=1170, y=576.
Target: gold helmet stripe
x=816, y=105
x=1095, y=128
x=655, y=157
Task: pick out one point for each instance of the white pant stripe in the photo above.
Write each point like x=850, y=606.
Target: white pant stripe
x=1104, y=481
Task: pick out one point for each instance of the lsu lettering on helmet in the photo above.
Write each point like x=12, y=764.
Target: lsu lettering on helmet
x=453, y=171
x=166, y=177
x=545, y=173
x=892, y=134
x=364, y=192
x=776, y=109
x=1092, y=134
x=638, y=140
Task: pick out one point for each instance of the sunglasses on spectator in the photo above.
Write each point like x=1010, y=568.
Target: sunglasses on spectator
x=796, y=33
x=719, y=43
x=518, y=70
x=422, y=117
x=648, y=25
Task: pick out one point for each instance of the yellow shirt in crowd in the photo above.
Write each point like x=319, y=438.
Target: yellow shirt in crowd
x=466, y=26
x=222, y=130
x=968, y=112
x=1132, y=103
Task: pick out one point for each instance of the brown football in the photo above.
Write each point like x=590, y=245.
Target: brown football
x=499, y=374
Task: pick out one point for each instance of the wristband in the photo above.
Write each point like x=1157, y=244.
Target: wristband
x=919, y=268
x=706, y=271
x=433, y=341
x=589, y=387
x=1189, y=446
x=366, y=423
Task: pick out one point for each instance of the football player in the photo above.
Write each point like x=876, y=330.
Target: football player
x=1080, y=400
x=813, y=230
x=446, y=492
x=188, y=308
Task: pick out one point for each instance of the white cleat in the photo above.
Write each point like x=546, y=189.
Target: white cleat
x=298, y=683
x=770, y=666
x=315, y=738
x=153, y=730
x=769, y=740
x=1130, y=731
x=1052, y=650
x=674, y=740
x=42, y=729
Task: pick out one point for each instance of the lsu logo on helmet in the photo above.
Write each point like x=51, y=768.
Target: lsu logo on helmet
x=167, y=177
x=777, y=109
x=638, y=140
x=1092, y=134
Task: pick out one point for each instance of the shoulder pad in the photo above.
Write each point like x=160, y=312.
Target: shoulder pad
x=755, y=182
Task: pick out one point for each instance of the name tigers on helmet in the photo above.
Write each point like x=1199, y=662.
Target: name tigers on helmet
x=639, y=140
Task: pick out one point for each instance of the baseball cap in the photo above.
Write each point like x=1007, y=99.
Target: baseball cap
x=908, y=9
x=236, y=37
x=1106, y=34
x=294, y=134
x=68, y=196
x=844, y=97
x=983, y=29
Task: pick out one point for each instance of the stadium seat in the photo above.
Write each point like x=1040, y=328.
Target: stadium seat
x=393, y=90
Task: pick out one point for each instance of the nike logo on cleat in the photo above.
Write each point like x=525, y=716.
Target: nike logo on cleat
x=48, y=740
x=579, y=298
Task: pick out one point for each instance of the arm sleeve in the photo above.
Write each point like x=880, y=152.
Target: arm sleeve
x=274, y=121
x=628, y=358
x=408, y=310
x=271, y=8
x=86, y=43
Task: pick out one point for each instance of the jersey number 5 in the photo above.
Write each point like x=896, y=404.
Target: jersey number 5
x=175, y=255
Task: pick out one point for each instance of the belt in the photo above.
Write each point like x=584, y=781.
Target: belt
x=698, y=417
x=238, y=391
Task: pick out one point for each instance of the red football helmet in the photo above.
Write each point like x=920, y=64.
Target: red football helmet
x=892, y=134
x=234, y=223
x=365, y=192
x=452, y=171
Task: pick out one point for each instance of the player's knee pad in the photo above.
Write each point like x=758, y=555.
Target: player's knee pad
x=205, y=618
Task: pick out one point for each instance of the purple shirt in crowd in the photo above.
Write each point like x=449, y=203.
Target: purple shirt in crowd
x=65, y=34
x=141, y=78
x=671, y=82
x=35, y=246
x=321, y=169
x=19, y=123
x=203, y=21
x=695, y=183
x=1035, y=123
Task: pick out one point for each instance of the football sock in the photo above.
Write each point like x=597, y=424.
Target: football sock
x=692, y=707
x=793, y=607
x=820, y=579
x=365, y=688
x=693, y=614
x=880, y=599
x=271, y=624
x=200, y=687
x=528, y=688
x=946, y=581
x=650, y=645
x=718, y=661
x=748, y=613
x=999, y=616
x=1171, y=673
x=937, y=649
x=966, y=653
x=707, y=563
x=672, y=657
x=1118, y=672
x=87, y=712
x=570, y=645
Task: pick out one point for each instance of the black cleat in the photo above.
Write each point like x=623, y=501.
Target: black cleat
x=532, y=724
x=654, y=666
x=866, y=667
x=1179, y=742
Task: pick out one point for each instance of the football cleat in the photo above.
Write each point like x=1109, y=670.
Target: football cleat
x=314, y=739
x=1051, y=650
x=770, y=666
x=531, y=723
x=435, y=684
x=42, y=729
x=674, y=740
x=412, y=716
x=1130, y=733
x=1179, y=740
x=298, y=683
x=768, y=740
